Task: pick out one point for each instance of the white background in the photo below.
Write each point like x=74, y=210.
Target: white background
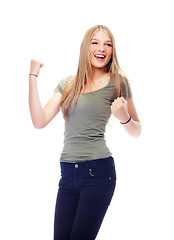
x=52, y=31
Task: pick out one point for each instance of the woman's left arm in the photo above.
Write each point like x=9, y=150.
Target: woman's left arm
x=123, y=109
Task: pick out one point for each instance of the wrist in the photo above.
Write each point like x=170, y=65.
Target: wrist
x=33, y=75
x=125, y=122
x=124, y=117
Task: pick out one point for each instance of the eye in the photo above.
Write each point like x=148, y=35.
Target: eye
x=109, y=44
x=94, y=42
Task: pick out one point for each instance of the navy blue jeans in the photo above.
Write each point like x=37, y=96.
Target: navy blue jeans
x=85, y=192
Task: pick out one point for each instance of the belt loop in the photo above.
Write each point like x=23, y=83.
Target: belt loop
x=62, y=167
x=88, y=165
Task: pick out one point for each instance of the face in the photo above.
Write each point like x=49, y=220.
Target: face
x=100, y=49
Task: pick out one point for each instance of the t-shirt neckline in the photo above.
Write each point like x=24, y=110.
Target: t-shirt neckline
x=98, y=89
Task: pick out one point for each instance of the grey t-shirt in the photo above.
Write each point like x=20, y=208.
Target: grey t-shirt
x=84, y=138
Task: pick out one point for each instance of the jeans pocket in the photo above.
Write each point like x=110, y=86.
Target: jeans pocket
x=102, y=173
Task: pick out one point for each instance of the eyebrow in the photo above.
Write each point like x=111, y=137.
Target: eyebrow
x=98, y=40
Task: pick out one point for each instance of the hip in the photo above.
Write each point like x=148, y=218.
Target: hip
x=99, y=173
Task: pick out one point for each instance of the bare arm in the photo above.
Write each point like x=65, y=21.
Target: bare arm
x=41, y=116
x=123, y=109
x=134, y=126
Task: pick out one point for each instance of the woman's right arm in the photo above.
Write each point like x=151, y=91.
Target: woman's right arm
x=41, y=116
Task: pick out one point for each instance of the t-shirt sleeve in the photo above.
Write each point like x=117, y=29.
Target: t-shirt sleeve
x=62, y=84
x=126, y=90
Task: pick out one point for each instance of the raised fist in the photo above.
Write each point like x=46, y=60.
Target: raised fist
x=35, y=66
x=119, y=109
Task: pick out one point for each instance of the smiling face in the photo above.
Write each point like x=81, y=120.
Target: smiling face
x=100, y=49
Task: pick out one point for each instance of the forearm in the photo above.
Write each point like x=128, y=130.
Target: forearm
x=36, y=110
x=133, y=128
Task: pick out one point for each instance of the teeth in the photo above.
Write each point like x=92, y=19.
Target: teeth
x=98, y=55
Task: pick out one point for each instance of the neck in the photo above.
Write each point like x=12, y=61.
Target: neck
x=98, y=73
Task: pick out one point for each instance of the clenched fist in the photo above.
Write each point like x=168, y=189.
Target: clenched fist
x=119, y=109
x=35, y=66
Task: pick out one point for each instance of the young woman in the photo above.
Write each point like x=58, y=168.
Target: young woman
x=98, y=90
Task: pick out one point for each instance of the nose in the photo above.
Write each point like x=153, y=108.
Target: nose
x=101, y=48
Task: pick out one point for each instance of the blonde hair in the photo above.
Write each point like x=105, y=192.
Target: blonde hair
x=84, y=71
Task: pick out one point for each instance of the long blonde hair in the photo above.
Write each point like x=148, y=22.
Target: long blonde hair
x=84, y=71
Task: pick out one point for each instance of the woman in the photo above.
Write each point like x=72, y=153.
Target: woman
x=87, y=101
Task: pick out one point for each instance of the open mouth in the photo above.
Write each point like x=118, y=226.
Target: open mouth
x=99, y=57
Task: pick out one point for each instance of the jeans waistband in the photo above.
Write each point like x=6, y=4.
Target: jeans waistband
x=89, y=164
